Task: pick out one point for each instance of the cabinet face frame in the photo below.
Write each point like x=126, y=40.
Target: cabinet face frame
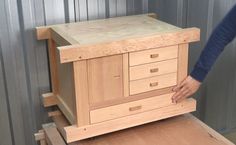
x=182, y=62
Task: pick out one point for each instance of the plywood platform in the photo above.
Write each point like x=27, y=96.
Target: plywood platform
x=181, y=130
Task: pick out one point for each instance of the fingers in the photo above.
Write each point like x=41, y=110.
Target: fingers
x=183, y=93
x=180, y=94
x=185, y=89
x=179, y=86
x=184, y=97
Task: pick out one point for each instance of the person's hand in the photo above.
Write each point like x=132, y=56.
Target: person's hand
x=185, y=89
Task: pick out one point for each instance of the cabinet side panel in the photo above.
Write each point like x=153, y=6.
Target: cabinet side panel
x=66, y=89
x=105, y=77
x=182, y=62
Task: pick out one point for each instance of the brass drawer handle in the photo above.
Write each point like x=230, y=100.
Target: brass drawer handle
x=154, y=70
x=135, y=108
x=154, y=55
x=154, y=84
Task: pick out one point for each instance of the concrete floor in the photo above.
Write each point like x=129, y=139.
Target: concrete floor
x=231, y=136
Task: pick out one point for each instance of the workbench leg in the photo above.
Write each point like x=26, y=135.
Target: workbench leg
x=43, y=142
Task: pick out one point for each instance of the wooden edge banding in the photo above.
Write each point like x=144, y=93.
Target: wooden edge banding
x=74, y=133
x=211, y=131
x=43, y=33
x=82, y=52
x=49, y=99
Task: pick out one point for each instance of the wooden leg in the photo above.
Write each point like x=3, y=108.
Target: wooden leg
x=81, y=92
x=52, y=135
x=43, y=142
x=40, y=136
x=53, y=65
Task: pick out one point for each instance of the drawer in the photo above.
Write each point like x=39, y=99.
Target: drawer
x=130, y=108
x=153, y=83
x=153, y=55
x=153, y=69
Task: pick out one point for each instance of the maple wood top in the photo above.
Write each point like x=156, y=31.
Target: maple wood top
x=113, y=29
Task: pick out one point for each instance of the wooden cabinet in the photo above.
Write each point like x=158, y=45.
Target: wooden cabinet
x=116, y=73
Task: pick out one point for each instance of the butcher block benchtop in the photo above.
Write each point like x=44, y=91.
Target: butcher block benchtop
x=97, y=38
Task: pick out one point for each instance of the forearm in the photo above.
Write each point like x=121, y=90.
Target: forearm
x=223, y=34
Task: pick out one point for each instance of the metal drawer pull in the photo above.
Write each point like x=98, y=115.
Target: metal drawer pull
x=153, y=84
x=135, y=108
x=154, y=70
x=154, y=55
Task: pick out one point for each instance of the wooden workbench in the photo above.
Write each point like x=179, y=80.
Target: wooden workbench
x=112, y=74
x=180, y=130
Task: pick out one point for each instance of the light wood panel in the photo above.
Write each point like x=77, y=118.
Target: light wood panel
x=153, y=69
x=182, y=62
x=66, y=109
x=66, y=89
x=153, y=55
x=105, y=76
x=130, y=108
x=126, y=74
x=114, y=29
x=131, y=98
x=73, y=133
x=81, y=92
x=153, y=83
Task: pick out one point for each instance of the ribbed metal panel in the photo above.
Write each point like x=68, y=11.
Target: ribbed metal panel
x=24, y=73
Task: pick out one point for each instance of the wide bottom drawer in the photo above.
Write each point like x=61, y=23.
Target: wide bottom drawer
x=130, y=108
x=153, y=83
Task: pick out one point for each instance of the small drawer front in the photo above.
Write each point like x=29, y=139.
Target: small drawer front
x=153, y=69
x=153, y=83
x=130, y=108
x=153, y=55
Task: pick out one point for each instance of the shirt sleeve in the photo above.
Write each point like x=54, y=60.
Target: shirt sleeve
x=222, y=35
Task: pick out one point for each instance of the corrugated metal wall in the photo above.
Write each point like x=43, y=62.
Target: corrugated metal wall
x=217, y=96
x=24, y=73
